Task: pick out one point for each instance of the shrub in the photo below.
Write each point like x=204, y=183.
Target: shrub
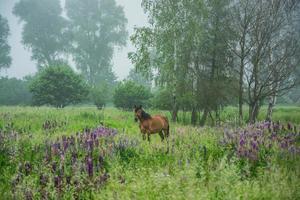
x=14, y=92
x=127, y=94
x=101, y=95
x=58, y=86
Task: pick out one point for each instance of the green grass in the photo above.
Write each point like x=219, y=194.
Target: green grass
x=148, y=172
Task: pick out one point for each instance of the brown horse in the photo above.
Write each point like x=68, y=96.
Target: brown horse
x=151, y=124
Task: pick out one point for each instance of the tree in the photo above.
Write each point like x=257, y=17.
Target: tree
x=161, y=99
x=101, y=94
x=5, y=59
x=185, y=50
x=163, y=48
x=43, y=31
x=97, y=27
x=274, y=45
x=242, y=19
x=14, y=91
x=58, y=86
x=138, y=78
x=127, y=94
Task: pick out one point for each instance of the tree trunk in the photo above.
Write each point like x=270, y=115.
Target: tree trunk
x=194, y=117
x=253, y=111
x=218, y=118
x=204, y=117
x=174, y=115
x=241, y=92
x=272, y=102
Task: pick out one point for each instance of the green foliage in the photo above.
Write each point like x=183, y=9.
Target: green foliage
x=162, y=99
x=14, y=92
x=58, y=86
x=96, y=26
x=101, y=95
x=186, y=50
x=43, y=31
x=138, y=78
x=127, y=94
x=5, y=59
x=196, y=167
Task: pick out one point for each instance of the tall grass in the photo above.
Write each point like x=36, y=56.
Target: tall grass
x=198, y=165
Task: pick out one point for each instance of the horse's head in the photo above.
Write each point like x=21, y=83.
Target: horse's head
x=138, y=112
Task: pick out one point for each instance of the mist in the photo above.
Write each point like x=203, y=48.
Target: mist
x=23, y=65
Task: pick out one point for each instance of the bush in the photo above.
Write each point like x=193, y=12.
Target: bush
x=101, y=95
x=14, y=92
x=58, y=86
x=163, y=100
x=127, y=94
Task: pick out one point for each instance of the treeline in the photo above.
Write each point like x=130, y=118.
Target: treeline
x=195, y=56
x=206, y=55
x=86, y=32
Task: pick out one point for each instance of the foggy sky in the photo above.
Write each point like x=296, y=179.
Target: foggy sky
x=22, y=64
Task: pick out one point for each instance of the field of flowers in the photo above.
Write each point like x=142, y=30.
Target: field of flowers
x=83, y=153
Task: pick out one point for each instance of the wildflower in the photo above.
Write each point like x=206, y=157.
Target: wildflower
x=28, y=168
x=89, y=166
x=43, y=180
x=68, y=180
x=242, y=141
x=54, y=167
x=57, y=181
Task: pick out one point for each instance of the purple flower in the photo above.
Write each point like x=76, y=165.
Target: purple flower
x=290, y=126
x=254, y=145
x=242, y=141
x=90, y=145
x=28, y=195
x=57, y=181
x=89, y=166
x=74, y=157
x=54, y=167
x=68, y=180
x=101, y=161
x=43, y=180
x=28, y=168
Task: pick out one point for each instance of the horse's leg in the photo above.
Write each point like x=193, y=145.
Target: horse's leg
x=161, y=134
x=148, y=134
x=144, y=136
x=167, y=133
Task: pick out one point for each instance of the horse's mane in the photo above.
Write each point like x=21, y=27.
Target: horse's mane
x=145, y=115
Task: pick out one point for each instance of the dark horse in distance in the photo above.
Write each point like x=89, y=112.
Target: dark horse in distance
x=151, y=124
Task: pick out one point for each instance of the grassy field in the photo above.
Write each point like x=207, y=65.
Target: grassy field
x=49, y=153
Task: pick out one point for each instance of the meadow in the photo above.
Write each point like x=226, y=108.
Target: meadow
x=84, y=153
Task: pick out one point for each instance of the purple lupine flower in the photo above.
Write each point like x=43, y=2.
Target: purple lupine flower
x=289, y=126
x=89, y=166
x=57, y=181
x=103, y=178
x=254, y=145
x=28, y=195
x=90, y=145
x=74, y=157
x=62, y=157
x=68, y=180
x=16, y=180
x=54, y=167
x=27, y=168
x=284, y=144
x=242, y=141
x=65, y=144
x=101, y=161
x=43, y=180
x=96, y=142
